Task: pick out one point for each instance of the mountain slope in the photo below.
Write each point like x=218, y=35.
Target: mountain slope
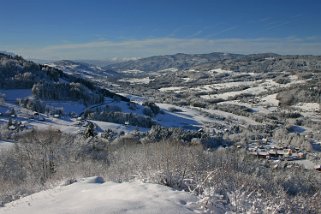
x=47, y=82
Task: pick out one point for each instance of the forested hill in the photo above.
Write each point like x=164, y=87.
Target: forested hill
x=47, y=82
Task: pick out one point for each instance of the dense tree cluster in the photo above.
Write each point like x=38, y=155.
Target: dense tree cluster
x=66, y=91
x=155, y=109
x=308, y=93
x=15, y=72
x=122, y=118
x=32, y=104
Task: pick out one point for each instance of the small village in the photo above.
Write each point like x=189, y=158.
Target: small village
x=287, y=154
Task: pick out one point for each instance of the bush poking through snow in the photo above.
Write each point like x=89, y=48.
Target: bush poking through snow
x=153, y=107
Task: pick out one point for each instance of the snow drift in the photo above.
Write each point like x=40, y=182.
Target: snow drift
x=91, y=195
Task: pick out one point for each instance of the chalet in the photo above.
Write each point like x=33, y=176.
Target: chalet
x=276, y=153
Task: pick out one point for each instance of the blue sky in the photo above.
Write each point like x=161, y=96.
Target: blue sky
x=102, y=29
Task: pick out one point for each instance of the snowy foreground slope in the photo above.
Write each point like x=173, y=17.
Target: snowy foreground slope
x=92, y=196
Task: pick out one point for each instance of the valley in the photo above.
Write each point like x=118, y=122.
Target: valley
x=209, y=106
x=193, y=95
x=268, y=96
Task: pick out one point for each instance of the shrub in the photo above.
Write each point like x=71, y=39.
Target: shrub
x=286, y=98
x=148, y=111
x=199, y=104
x=282, y=80
x=153, y=107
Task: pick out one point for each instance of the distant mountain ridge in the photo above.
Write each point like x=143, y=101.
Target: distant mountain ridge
x=180, y=61
x=264, y=62
x=8, y=53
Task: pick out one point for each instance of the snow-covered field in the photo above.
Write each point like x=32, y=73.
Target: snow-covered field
x=145, y=80
x=90, y=195
x=309, y=107
x=256, y=87
x=239, y=119
x=270, y=100
x=132, y=71
x=254, y=90
x=168, y=70
x=170, y=89
x=220, y=70
x=257, y=108
x=209, y=88
x=186, y=79
x=187, y=117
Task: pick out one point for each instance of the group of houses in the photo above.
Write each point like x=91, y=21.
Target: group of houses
x=280, y=153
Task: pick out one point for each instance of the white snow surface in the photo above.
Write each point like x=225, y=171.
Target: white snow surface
x=170, y=89
x=270, y=100
x=308, y=106
x=145, y=80
x=133, y=71
x=5, y=145
x=88, y=196
x=225, y=85
x=188, y=117
x=169, y=70
x=220, y=70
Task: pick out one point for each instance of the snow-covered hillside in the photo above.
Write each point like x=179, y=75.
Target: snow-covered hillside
x=83, y=69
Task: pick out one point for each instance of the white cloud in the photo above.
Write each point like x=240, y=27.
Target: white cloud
x=160, y=46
